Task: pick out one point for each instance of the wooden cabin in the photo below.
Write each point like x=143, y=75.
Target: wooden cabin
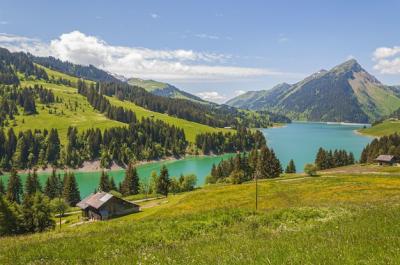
x=102, y=206
x=386, y=160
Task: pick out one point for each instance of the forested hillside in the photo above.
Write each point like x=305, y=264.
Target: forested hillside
x=49, y=118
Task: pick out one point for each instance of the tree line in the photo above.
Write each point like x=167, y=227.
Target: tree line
x=157, y=184
x=385, y=145
x=210, y=114
x=261, y=163
x=29, y=208
x=29, y=148
x=12, y=97
x=218, y=143
x=18, y=62
x=330, y=159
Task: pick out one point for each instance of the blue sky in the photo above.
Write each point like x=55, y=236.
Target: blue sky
x=215, y=49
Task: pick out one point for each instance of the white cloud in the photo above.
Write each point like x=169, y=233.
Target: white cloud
x=18, y=43
x=282, y=38
x=387, y=60
x=154, y=15
x=211, y=96
x=168, y=65
x=3, y=22
x=206, y=36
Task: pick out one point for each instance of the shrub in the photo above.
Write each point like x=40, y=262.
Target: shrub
x=310, y=169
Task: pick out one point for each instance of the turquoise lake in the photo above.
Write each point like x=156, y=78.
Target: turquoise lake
x=298, y=141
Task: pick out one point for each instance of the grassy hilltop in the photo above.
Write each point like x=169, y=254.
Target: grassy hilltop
x=75, y=110
x=337, y=218
x=386, y=127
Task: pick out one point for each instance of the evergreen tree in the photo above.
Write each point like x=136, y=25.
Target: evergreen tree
x=163, y=181
x=291, y=167
x=20, y=157
x=104, y=184
x=53, y=188
x=130, y=184
x=9, y=222
x=41, y=213
x=32, y=184
x=2, y=188
x=71, y=191
x=153, y=181
x=268, y=165
x=14, y=187
x=112, y=184
x=27, y=213
x=53, y=147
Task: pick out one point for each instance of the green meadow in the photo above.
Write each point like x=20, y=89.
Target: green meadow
x=330, y=219
x=191, y=128
x=75, y=110
x=385, y=128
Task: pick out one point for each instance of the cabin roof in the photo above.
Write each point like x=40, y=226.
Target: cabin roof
x=385, y=158
x=97, y=200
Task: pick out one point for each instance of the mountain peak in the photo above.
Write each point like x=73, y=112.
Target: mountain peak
x=349, y=65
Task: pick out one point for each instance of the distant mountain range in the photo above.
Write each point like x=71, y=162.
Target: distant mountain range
x=164, y=89
x=92, y=73
x=346, y=93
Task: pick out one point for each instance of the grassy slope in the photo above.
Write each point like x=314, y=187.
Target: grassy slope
x=385, y=128
x=331, y=220
x=86, y=117
x=191, y=128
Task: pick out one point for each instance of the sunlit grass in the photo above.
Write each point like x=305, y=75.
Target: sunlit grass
x=304, y=220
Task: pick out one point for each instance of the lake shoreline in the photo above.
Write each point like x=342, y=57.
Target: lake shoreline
x=94, y=166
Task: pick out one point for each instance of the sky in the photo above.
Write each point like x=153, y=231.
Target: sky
x=214, y=49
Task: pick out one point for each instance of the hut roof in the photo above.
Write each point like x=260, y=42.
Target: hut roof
x=385, y=158
x=97, y=200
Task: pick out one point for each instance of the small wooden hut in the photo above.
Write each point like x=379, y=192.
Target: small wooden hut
x=102, y=206
x=387, y=160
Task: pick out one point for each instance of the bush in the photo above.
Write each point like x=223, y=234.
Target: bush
x=237, y=177
x=310, y=169
x=210, y=179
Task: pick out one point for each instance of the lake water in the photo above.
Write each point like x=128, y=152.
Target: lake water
x=298, y=141
x=198, y=165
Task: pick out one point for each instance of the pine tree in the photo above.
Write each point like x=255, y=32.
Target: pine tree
x=104, y=184
x=9, y=222
x=2, y=188
x=163, y=181
x=263, y=163
x=20, y=157
x=112, y=184
x=71, y=191
x=53, y=147
x=41, y=213
x=276, y=165
x=32, y=184
x=351, y=159
x=130, y=184
x=53, y=188
x=14, y=187
x=27, y=213
x=321, y=160
x=291, y=167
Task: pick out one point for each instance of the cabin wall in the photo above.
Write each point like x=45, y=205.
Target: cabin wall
x=119, y=207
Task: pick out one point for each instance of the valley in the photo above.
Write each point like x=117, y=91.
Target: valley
x=199, y=132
